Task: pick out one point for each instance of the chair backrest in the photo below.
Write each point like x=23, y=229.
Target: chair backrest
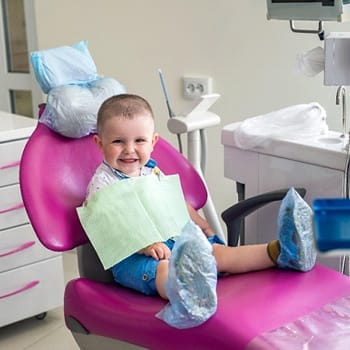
x=54, y=174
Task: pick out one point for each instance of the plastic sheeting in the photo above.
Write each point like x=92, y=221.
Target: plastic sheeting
x=71, y=110
x=63, y=65
x=191, y=285
x=323, y=329
x=295, y=229
x=293, y=122
x=75, y=92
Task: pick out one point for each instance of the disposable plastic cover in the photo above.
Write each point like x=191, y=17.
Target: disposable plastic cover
x=294, y=122
x=323, y=329
x=71, y=110
x=191, y=285
x=63, y=65
x=296, y=237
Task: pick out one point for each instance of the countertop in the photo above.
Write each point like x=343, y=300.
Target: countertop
x=14, y=126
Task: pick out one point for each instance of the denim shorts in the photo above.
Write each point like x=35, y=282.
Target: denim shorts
x=138, y=271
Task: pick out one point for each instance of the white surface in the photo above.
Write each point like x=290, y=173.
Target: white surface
x=337, y=59
x=46, y=295
x=50, y=333
x=10, y=154
x=325, y=150
x=194, y=87
x=317, y=166
x=10, y=198
x=34, y=263
x=197, y=118
x=14, y=126
x=14, y=238
x=196, y=121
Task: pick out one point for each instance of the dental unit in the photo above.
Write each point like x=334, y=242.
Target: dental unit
x=269, y=309
x=194, y=125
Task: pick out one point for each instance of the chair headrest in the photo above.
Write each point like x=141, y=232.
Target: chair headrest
x=54, y=174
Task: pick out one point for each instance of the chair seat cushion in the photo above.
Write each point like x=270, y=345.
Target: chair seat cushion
x=248, y=304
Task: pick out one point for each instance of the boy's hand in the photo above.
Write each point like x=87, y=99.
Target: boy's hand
x=158, y=251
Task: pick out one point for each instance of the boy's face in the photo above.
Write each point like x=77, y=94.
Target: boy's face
x=127, y=143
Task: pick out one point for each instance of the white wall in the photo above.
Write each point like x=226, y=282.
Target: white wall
x=250, y=59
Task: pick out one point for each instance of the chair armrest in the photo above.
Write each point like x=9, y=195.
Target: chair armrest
x=234, y=215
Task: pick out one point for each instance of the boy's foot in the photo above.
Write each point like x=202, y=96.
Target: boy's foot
x=295, y=231
x=191, y=284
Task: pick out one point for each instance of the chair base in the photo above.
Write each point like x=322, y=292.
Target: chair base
x=93, y=342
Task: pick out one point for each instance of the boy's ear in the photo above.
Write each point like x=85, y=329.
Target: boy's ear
x=155, y=139
x=98, y=141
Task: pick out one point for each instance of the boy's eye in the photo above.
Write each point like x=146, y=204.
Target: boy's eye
x=117, y=141
x=140, y=140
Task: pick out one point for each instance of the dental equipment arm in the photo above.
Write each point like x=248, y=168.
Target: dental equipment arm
x=194, y=124
x=167, y=101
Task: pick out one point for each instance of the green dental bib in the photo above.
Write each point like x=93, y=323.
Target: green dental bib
x=122, y=218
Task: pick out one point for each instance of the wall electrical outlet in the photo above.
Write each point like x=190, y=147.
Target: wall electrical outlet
x=194, y=87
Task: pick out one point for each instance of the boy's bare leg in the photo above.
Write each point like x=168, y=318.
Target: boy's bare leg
x=242, y=258
x=161, y=277
x=233, y=260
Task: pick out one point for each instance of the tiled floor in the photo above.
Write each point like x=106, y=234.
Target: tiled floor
x=49, y=333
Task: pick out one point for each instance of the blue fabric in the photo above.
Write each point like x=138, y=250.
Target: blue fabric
x=138, y=272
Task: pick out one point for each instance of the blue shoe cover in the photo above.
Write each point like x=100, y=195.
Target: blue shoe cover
x=191, y=284
x=295, y=233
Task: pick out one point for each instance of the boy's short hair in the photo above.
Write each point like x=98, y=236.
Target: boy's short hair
x=124, y=105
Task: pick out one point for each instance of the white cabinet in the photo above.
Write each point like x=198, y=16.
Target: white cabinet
x=314, y=164
x=31, y=276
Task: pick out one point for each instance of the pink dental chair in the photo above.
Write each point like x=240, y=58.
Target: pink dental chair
x=54, y=173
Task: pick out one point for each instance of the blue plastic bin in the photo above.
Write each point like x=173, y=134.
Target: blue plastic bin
x=332, y=223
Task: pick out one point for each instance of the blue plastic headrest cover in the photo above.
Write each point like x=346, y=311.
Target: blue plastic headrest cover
x=63, y=65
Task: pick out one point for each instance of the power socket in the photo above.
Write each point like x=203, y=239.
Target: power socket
x=195, y=87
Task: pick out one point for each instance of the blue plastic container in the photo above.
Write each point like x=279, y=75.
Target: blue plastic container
x=332, y=223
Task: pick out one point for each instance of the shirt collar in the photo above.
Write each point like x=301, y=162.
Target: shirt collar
x=151, y=163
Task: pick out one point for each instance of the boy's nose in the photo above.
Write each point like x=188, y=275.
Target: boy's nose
x=129, y=147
